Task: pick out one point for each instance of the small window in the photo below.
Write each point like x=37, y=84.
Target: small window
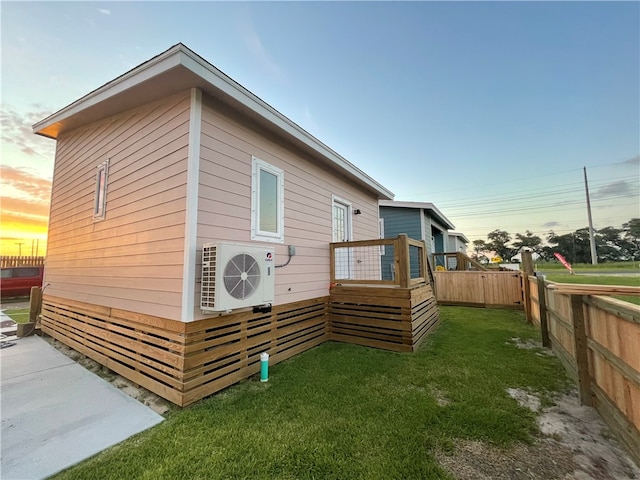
x=100, y=203
x=267, y=202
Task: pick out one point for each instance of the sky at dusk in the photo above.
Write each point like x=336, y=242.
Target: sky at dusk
x=489, y=110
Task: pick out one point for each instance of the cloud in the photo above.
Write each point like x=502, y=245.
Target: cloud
x=16, y=130
x=104, y=11
x=551, y=224
x=635, y=161
x=620, y=188
x=17, y=224
x=26, y=185
x=24, y=208
x=308, y=121
x=254, y=43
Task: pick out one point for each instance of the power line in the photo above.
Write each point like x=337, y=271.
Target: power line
x=528, y=179
x=545, y=193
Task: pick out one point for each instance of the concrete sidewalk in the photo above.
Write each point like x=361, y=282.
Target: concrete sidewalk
x=56, y=413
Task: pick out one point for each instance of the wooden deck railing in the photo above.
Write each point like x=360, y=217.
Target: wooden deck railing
x=396, y=262
x=462, y=261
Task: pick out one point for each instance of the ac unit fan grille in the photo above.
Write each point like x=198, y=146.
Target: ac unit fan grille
x=241, y=276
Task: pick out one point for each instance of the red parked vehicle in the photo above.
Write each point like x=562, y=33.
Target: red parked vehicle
x=17, y=281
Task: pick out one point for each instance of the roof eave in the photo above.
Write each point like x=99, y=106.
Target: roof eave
x=179, y=56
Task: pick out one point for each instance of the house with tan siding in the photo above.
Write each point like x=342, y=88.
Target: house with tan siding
x=150, y=167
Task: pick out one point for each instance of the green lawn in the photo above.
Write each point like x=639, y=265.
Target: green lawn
x=587, y=267
x=20, y=315
x=628, y=280
x=348, y=412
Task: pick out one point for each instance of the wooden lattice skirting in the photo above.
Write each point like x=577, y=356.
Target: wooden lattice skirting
x=388, y=318
x=185, y=362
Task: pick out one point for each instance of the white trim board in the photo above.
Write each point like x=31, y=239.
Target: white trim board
x=191, y=213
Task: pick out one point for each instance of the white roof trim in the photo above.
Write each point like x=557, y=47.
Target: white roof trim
x=181, y=56
x=459, y=235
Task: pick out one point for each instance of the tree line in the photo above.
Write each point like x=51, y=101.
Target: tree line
x=612, y=244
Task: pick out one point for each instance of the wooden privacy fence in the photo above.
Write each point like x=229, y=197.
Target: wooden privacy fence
x=597, y=339
x=7, y=261
x=479, y=289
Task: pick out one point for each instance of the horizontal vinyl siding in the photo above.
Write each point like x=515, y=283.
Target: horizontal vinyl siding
x=401, y=220
x=224, y=213
x=133, y=258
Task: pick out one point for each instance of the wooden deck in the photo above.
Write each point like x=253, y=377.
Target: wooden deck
x=185, y=362
x=388, y=318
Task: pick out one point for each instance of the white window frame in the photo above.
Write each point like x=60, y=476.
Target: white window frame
x=100, y=199
x=336, y=199
x=257, y=166
x=381, y=233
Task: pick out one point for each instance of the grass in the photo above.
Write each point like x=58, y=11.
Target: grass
x=633, y=281
x=587, y=267
x=20, y=315
x=348, y=412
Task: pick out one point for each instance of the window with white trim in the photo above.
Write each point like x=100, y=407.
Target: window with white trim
x=267, y=202
x=100, y=202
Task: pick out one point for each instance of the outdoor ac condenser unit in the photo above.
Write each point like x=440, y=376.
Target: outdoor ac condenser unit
x=236, y=276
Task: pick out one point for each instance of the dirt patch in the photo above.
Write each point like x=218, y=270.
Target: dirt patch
x=474, y=460
x=573, y=444
x=144, y=396
x=530, y=344
x=595, y=450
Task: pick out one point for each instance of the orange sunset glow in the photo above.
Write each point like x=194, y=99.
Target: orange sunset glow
x=24, y=211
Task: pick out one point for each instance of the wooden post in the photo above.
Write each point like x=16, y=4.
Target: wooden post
x=527, y=269
x=424, y=269
x=332, y=265
x=403, y=269
x=581, y=350
x=35, y=304
x=544, y=321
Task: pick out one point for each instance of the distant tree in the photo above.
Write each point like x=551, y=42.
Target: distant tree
x=528, y=240
x=498, y=240
x=610, y=245
x=479, y=247
x=631, y=231
x=575, y=247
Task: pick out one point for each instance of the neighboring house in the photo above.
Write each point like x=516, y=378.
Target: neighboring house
x=457, y=242
x=419, y=220
x=151, y=166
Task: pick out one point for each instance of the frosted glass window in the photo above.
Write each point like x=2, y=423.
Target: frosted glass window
x=267, y=202
x=100, y=202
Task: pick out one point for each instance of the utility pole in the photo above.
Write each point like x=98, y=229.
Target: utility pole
x=19, y=248
x=592, y=237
